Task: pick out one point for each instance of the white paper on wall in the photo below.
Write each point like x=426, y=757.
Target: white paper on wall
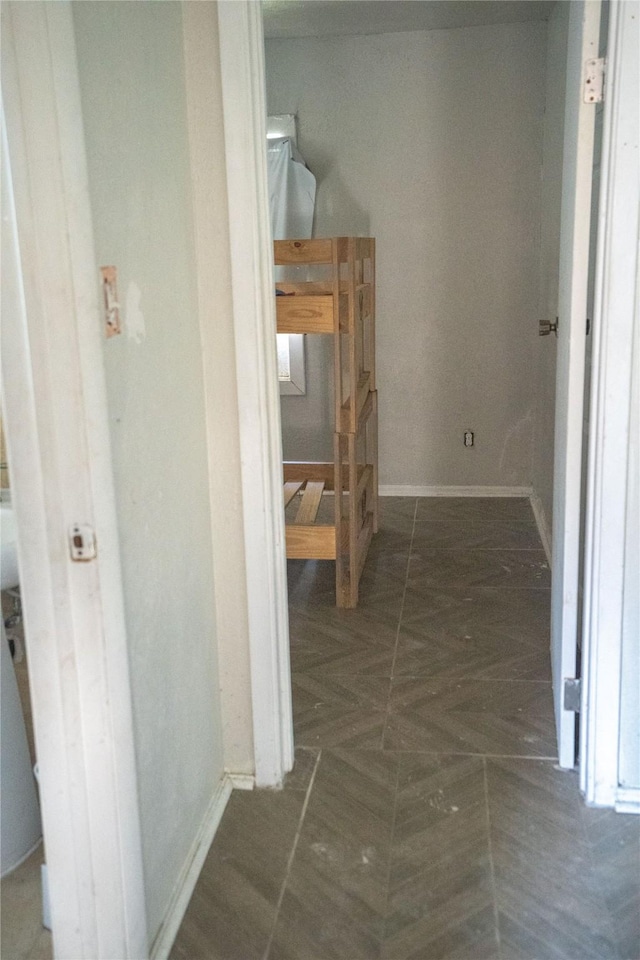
x=292, y=191
x=292, y=196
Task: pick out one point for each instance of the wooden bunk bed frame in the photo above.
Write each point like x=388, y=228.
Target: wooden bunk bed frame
x=341, y=306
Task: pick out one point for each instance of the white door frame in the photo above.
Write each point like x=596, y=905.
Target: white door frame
x=245, y=109
x=54, y=404
x=245, y=115
x=577, y=179
x=616, y=332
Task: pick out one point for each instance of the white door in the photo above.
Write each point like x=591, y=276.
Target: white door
x=584, y=32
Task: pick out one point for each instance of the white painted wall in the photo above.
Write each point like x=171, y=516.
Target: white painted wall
x=432, y=143
x=211, y=221
x=133, y=96
x=546, y=347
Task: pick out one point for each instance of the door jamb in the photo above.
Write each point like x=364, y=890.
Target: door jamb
x=577, y=183
x=54, y=401
x=244, y=107
x=615, y=316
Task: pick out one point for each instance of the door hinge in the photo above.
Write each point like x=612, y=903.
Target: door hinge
x=545, y=327
x=82, y=543
x=594, y=74
x=572, y=693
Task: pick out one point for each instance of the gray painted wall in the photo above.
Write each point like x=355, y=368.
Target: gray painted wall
x=431, y=142
x=132, y=82
x=546, y=347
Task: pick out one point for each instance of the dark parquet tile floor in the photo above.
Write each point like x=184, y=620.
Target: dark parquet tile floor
x=425, y=817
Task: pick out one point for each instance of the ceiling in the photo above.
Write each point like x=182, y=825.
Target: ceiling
x=326, y=18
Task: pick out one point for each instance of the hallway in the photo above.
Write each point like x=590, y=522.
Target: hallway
x=425, y=817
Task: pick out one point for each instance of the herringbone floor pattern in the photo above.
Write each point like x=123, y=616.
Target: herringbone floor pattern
x=425, y=818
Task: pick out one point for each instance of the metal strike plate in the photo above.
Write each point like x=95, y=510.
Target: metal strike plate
x=82, y=543
x=594, y=80
x=572, y=693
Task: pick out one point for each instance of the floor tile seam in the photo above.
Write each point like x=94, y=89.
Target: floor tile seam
x=465, y=548
x=420, y=608
x=494, y=891
x=451, y=753
x=372, y=645
x=481, y=590
x=467, y=678
x=292, y=853
x=391, y=842
x=479, y=520
x=395, y=651
x=466, y=753
x=419, y=676
x=412, y=676
x=504, y=548
x=448, y=586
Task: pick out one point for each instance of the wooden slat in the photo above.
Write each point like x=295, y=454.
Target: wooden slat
x=342, y=248
x=365, y=290
x=354, y=371
x=367, y=409
x=362, y=399
x=373, y=438
x=364, y=540
x=353, y=520
x=318, y=250
x=292, y=471
x=290, y=490
x=304, y=314
x=372, y=317
x=343, y=313
x=363, y=392
x=365, y=479
x=337, y=340
x=310, y=503
x=310, y=288
x=302, y=251
x=316, y=542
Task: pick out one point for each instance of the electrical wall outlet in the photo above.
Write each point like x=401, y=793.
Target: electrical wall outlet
x=468, y=438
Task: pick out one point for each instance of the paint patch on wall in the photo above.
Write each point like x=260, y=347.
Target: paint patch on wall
x=134, y=317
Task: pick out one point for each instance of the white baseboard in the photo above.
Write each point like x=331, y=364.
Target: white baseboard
x=628, y=800
x=405, y=490
x=242, y=781
x=190, y=872
x=542, y=524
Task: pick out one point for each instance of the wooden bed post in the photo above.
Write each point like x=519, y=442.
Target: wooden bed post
x=342, y=307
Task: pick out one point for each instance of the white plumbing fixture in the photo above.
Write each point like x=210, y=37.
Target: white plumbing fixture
x=20, y=824
x=8, y=548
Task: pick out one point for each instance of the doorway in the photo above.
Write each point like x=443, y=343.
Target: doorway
x=461, y=185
